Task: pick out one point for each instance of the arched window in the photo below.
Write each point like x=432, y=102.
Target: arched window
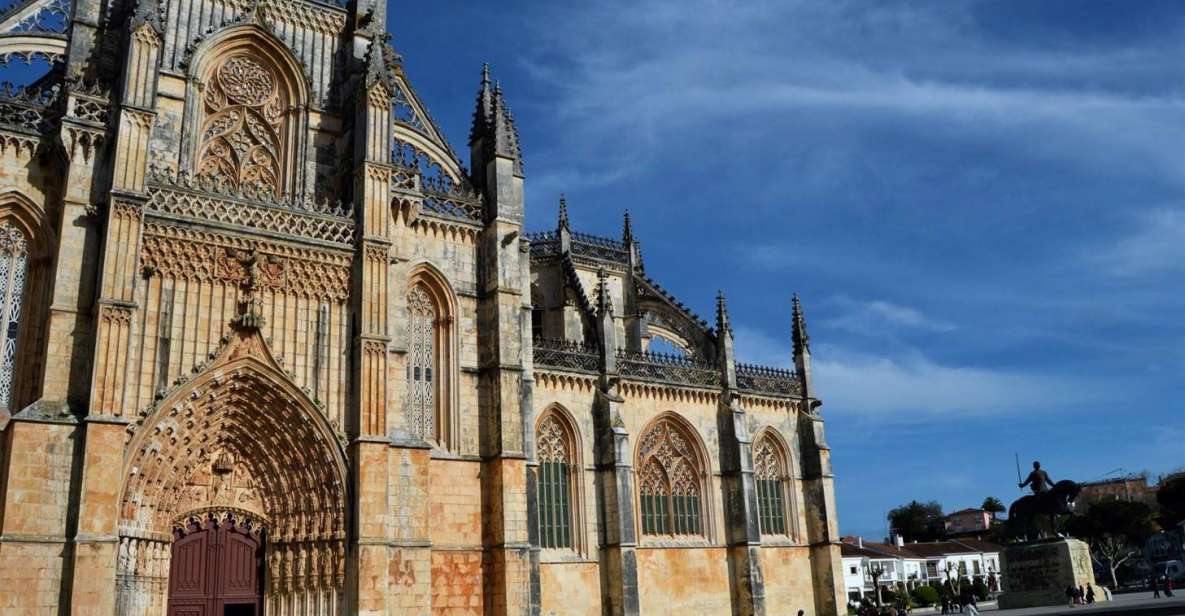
x=249, y=111
x=422, y=358
x=13, y=267
x=556, y=453
x=769, y=472
x=670, y=482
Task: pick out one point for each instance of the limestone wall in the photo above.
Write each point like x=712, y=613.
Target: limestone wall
x=685, y=580
x=35, y=515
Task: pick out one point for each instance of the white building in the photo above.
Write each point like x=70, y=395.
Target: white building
x=913, y=564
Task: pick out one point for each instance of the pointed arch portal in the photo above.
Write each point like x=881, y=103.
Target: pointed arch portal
x=236, y=457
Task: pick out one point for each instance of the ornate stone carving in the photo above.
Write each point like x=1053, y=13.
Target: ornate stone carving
x=669, y=465
x=208, y=258
x=242, y=135
x=115, y=315
x=552, y=441
x=420, y=406
x=766, y=463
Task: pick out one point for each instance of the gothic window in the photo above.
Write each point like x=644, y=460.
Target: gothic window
x=769, y=473
x=13, y=264
x=556, y=474
x=242, y=135
x=422, y=363
x=669, y=485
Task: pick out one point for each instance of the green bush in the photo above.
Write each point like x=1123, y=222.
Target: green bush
x=925, y=596
x=981, y=589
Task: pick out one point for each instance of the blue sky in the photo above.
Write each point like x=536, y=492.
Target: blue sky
x=982, y=205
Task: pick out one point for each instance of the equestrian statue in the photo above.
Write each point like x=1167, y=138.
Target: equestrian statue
x=1048, y=498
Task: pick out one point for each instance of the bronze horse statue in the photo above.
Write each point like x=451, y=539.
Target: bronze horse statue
x=1057, y=501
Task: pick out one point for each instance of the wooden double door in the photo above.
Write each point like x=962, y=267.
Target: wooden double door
x=216, y=570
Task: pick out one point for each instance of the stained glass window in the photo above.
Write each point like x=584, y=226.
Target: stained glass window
x=421, y=364
x=770, y=476
x=555, y=485
x=669, y=483
x=13, y=267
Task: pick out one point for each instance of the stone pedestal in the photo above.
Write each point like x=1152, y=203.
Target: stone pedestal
x=1037, y=574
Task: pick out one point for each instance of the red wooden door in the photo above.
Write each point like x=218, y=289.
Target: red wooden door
x=216, y=571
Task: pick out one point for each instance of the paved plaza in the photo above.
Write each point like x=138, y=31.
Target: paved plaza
x=1130, y=604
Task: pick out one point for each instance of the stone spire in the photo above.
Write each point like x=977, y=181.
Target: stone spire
x=723, y=325
x=483, y=111
x=725, y=353
x=605, y=326
x=802, y=341
x=802, y=350
x=563, y=225
x=563, y=228
x=505, y=133
x=627, y=232
x=493, y=134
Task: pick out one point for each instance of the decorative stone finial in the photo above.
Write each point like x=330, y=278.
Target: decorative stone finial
x=494, y=127
x=604, y=301
x=723, y=324
x=483, y=112
x=802, y=341
x=563, y=221
x=627, y=232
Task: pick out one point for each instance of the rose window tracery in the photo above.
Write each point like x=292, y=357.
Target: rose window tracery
x=242, y=143
x=669, y=484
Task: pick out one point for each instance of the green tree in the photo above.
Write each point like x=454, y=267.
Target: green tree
x=981, y=590
x=993, y=506
x=925, y=596
x=1171, y=498
x=917, y=521
x=1115, y=530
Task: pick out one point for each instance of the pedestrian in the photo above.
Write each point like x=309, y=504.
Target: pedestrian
x=1081, y=595
x=1089, y=595
x=1168, y=586
x=1070, y=595
x=1155, y=587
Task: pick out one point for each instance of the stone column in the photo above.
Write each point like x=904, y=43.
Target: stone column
x=96, y=541
x=614, y=463
x=818, y=481
x=368, y=564
x=509, y=574
x=741, y=524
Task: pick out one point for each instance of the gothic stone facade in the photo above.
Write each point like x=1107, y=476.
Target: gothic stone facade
x=268, y=347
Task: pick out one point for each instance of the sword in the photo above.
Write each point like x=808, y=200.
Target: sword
x=1018, y=479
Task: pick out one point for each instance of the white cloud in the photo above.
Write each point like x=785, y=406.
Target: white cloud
x=630, y=83
x=1157, y=245
x=873, y=317
x=914, y=388
x=911, y=388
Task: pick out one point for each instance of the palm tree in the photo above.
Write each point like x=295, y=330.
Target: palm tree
x=993, y=506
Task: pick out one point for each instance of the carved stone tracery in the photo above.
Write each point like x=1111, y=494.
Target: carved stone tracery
x=766, y=463
x=669, y=465
x=552, y=441
x=242, y=135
